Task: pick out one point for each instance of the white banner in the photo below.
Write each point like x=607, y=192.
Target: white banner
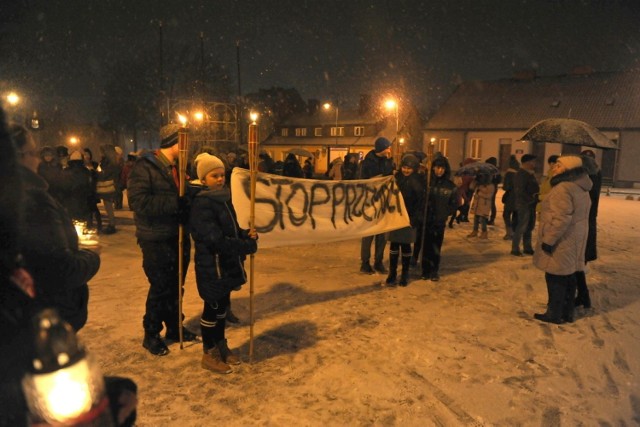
x=292, y=211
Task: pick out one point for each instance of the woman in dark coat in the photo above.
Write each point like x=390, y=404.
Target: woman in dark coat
x=441, y=203
x=80, y=188
x=412, y=189
x=220, y=249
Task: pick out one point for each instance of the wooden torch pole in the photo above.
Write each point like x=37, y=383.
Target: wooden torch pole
x=253, y=170
x=183, y=147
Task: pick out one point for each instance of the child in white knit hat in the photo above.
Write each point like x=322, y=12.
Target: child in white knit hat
x=221, y=247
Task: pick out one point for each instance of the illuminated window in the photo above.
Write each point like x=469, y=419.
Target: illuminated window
x=337, y=131
x=476, y=148
x=358, y=130
x=301, y=131
x=317, y=132
x=284, y=132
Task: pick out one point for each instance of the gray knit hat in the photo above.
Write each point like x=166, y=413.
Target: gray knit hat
x=205, y=163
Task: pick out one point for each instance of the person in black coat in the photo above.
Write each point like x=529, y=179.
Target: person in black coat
x=80, y=188
x=411, y=187
x=509, y=214
x=377, y=162
x=442, y=202
x=350, y=167
x=591, y=254
x=157, y=211
x=496, y=180
x=291, y=167
x=220, y=250
x=18, y=308
x=526, y=189
x=49, y=244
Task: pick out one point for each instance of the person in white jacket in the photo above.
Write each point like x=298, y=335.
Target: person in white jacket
x=562, y=237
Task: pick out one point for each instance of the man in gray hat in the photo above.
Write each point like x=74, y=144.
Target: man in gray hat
x=157, y=211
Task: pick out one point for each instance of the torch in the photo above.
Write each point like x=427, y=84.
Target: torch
x=183, y=148
x=253, y=170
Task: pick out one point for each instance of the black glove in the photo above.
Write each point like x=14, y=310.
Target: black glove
x=548, y=248
x=184, y=209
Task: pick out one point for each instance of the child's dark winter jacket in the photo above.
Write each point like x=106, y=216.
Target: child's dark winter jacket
x=221, y=245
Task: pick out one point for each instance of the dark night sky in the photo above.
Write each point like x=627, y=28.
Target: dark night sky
x=324, y=49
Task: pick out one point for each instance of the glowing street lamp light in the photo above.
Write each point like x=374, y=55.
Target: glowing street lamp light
x=13, y=99
x=198, y=116
x=327, y=106
x=74, y=140
x=392, y=104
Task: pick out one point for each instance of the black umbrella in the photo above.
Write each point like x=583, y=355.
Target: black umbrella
x=477, y=168
x=568, y=131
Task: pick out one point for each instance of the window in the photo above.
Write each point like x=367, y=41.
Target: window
x=317, y=131
x=443, y=146
x=358, y=130
x=476, y=148
x=284, y=132
x=301, y=131
x=337, y=131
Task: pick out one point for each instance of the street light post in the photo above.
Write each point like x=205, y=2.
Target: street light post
x=327, y=106
x=392, y=104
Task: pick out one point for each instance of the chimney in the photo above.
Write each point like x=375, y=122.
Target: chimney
x=313, y=105
x=365, y=104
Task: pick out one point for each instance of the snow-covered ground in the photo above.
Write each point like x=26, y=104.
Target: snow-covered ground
x=334, y=347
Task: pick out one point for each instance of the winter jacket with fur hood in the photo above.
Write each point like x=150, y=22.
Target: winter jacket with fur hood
x=564, y=224
x=221, y=245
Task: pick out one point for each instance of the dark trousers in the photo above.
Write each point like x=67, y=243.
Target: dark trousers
x=583, y=297
x=526, y=223
x=561, y=291
x=510, y=217
x=494, y=208
x=365, y=248
x=433, y=238
x=160, y=264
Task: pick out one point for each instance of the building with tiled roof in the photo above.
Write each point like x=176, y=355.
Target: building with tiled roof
x=488, y=118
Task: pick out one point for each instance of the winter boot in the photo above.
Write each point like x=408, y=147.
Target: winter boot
x=474, y=233
x=155, y=344
x=554, y=313
x=404, y=276
x=393, y=268
x=366, y=268
x=508, y=234
x=173, y=335
x=379, y=267
x=583, y=298
x=226, y=354
x=211, y=361
x=484, y=235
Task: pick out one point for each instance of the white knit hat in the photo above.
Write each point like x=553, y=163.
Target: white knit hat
x=570, y=162
x=205, y=163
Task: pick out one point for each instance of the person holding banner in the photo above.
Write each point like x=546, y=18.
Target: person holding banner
x=377, y=162
x=153, y=190
x=441, y=203
x=221, y=248
x=412, y=188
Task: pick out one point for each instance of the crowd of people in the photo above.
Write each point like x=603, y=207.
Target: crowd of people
x=51, y=188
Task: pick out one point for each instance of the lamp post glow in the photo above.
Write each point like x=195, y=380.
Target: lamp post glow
x=13, y=99
x=253, y=170
x=392, y=104
x=74, y=140
x=183, y=149
x=327, y=106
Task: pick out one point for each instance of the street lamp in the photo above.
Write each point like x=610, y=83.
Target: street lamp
x=13, y=99
x=73, y=140
x=327, y=106
x=392, y=104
